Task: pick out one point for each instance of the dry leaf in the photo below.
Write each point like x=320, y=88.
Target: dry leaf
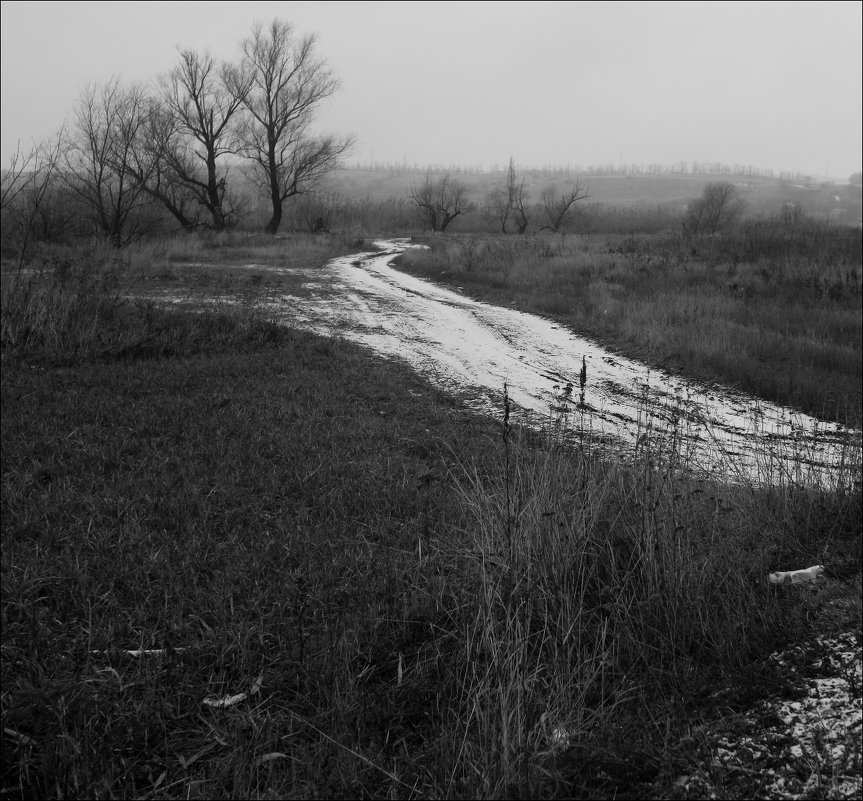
x=21, y=738
x=228, y=700
x=270, y=757
x=796, y=576
x=143, y=651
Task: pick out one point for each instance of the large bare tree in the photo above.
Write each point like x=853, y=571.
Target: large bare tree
x=287, y=84
x=98, y=160
x=203, y=99
x=439, y=202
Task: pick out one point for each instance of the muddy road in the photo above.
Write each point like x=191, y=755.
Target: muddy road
x=471, y=347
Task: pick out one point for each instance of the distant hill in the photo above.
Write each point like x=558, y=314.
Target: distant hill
x=841, y=202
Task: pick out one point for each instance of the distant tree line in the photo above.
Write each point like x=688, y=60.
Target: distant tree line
x=439, y=202
x=622, y=170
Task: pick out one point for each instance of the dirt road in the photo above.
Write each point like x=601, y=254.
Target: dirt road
x=462, y=344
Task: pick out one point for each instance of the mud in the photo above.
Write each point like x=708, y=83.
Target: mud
x=471, y=347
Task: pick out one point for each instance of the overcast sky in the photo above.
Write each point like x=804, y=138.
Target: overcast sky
x=774, y=85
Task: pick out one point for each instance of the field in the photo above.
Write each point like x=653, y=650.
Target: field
x=240, y=560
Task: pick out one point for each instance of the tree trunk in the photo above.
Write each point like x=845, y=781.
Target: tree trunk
x=275, y=185
x=214, y=198
x=276, y=219
x=275, y=197
x=181, y=218
x=447, y=219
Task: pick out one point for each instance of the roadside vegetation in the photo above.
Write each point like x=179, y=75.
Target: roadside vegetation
x=771, y=308
x=244, y=561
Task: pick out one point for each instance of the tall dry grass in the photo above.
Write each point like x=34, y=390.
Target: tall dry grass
x=605, y=595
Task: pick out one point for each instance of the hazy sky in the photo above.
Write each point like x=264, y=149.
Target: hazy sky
x=774, y=85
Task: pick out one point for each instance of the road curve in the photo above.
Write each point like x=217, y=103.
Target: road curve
x=465, y=345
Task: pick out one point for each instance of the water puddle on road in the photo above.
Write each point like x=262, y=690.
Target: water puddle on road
x=462, y=344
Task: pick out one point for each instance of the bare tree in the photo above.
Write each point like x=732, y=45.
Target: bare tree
x=287, y=84
x=56, y=213
x=438, y=203
x=719, y=206
x=502, y=199
x=22, y=170
x=202, y=99
x=556, y=206
x=510, y=201
x=499, y=202
x=520, y=206
x=792, y=214
x=107, y=131
x=163, y=163
x=23, y=190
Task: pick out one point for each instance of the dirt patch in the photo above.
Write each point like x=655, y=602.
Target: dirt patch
x=802, y=743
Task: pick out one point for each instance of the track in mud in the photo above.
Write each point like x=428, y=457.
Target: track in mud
x=465, y=345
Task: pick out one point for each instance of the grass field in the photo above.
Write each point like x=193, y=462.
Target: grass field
x=378, y=593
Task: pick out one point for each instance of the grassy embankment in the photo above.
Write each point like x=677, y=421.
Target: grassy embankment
x=773, y=311
x=419, y=597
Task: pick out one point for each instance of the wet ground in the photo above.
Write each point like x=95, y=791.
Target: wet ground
x=553, y=377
